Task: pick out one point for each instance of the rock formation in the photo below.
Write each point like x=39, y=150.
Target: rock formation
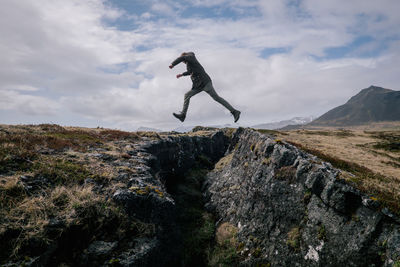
x=273, y=203
x=163, y=160
x=291, y=209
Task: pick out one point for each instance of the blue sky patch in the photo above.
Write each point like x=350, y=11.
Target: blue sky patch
x=135, y=7
x=267, y=52
x=132, y=9
x=219, y=12
x=116, y=68
x=343, y=51
x=361, y=47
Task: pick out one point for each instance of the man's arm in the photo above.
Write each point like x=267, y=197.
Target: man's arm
x=186, y=73
x=177, y=61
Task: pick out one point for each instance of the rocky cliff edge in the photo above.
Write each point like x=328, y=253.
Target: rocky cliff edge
x=273, y=204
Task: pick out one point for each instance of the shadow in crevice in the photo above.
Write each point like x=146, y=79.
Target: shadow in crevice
x=196, y=224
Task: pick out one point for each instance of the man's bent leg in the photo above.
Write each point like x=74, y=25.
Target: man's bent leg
x=211, y=91
x=186, y=99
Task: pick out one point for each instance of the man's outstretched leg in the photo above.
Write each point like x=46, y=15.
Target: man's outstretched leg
x=211, y=91
x=181, y=116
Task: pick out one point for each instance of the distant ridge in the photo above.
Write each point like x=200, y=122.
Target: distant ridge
x=372, y=104
x=280, y=124
x=148, y=129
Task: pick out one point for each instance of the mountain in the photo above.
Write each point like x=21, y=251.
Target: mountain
x=284, y=123
x=148, y=129
x=183, y=129
x=372, y=104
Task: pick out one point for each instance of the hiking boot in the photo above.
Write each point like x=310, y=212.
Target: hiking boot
x=236, y=115
x=179, y=116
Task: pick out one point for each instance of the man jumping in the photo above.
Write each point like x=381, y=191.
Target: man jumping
x=201, y=82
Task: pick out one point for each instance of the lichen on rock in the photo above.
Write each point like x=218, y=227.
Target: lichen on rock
x=267, y=203
x=297, y=208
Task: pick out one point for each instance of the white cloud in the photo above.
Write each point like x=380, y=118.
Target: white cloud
x=22, y=87
x=63, y=56
x=27, y=104
x=146, y=15
x=163, y=8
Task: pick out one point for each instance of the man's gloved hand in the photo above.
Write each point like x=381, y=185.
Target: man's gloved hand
x=178, y=76
x=170, y=66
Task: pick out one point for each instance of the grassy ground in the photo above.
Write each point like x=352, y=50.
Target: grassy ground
x=43, y=194
x=369, y=155
x=53, y=199
x=54, y=183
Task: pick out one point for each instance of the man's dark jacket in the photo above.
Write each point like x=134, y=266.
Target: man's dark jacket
x=197, y=73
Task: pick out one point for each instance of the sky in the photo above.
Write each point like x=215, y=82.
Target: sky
x=104, y=63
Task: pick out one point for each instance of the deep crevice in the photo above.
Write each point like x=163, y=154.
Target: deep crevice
x=182, y=164
x=196, y=224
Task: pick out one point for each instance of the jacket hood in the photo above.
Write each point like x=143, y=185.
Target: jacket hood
x=188, y=54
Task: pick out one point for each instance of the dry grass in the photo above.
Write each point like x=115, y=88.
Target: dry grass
x=30, y=215
x=226, y=250
x=293, y=239
x=56, y=161
x=226, y=232
x=11, y=190
x=60, y=138
x=28, y=221
x=358, y=147
x=59, y=152
x=223, y=162
x=367, y=154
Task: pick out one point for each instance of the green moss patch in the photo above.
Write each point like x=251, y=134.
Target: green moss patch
x=293, y=239
x=196, y=224
x=338, y=133
x=273, y=133
x=61, y=171
x=224, y=255
x=286, y=173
